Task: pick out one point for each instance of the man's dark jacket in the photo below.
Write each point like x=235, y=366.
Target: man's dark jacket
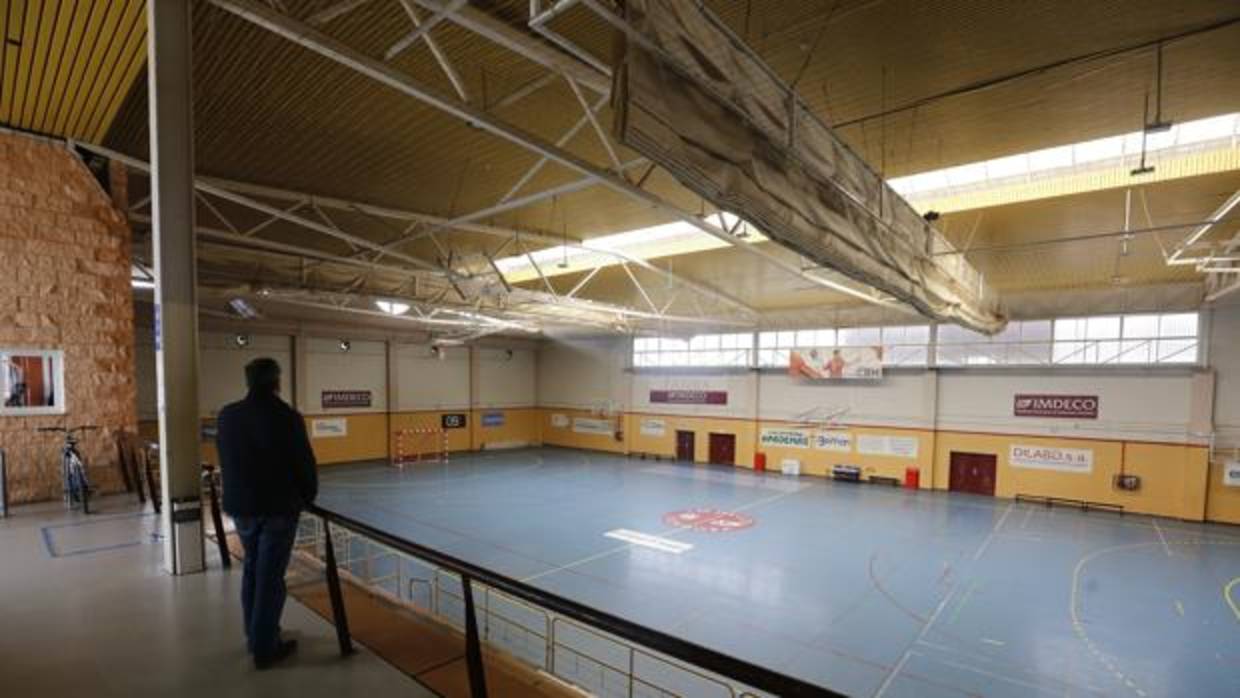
x=265, y=457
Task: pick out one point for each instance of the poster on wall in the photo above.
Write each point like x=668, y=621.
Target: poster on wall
x=784, y=438
x=559, y=421
x=339, y=399
x=689, y=397
x=452, y=420
x=653, y=427
x=1067, y=460
x=31, y=382
x=884, y=445
x=839, y=363
x=838, y=441
x=588, y=425
x=492, y=419
x=1058, y=406
x=1231, y=473
x=329, y=428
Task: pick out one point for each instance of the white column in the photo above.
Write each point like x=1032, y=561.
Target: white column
x=176, y=303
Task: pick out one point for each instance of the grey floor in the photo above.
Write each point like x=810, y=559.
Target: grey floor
x=85, y=610
x=871, y=591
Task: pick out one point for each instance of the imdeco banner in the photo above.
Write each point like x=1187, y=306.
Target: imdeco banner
x=839, y=363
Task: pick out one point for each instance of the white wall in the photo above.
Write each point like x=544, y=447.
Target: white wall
x=583, y=373
x=427, y=382
x=899, y=399
x=1225, y=358
x=506, y=377
x=1142, y=405
x=363, y=367
x=221, y=367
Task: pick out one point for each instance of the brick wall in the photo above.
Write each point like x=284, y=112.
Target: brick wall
x=64, y=284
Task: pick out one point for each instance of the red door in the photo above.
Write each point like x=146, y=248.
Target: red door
x=723, y=449
x=973, y=472
x=684, y=445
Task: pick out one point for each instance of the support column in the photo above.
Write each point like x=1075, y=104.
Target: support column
x=176, y=303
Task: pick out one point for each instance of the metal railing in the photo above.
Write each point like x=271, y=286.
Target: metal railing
x=602, y=653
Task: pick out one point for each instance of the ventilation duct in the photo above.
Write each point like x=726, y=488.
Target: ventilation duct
x=692, y=97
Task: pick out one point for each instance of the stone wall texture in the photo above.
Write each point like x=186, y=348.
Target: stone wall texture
x=65, y=284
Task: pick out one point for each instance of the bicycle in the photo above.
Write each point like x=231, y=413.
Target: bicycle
x=73, y=467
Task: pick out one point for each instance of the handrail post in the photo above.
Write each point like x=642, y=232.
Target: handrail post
x=217, y=519
x=473, y=646
x=333, y=591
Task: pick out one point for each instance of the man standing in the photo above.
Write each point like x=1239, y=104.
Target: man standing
x=269, y=477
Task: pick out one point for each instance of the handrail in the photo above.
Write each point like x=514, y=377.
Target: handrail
x=739, y=670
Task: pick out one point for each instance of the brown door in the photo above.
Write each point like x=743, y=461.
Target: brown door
x=723, y=449
x=684, y=445
x=973, y=472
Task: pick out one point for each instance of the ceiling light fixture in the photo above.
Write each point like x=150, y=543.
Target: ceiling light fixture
x=242, y=308
x=392, y=307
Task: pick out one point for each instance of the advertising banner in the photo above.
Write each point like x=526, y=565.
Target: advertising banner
x=1231, y=473
x=784, y=438
x=586, y=425
x=492, y=419
x=329, y=428
x=884, y=445
x=653, y=427
x=336, y=399
x=839, y=363
x=689, y=397
x=1060, y=406
x=559, y=421
x=1068, y=460
x=838, y=441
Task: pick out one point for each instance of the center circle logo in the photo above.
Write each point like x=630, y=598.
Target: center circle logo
x=708, y=520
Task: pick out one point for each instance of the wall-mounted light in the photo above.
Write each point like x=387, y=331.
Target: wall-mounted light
x=242, y=341
x=345, y=345
x=242, y=308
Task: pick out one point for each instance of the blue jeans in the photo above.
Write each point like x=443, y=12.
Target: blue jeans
x=268, y=542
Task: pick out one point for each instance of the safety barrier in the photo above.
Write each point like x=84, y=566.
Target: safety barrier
x=597, y=651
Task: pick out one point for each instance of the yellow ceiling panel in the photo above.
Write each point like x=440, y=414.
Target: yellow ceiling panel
x=66, y=65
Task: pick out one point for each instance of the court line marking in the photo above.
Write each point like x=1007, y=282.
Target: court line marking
x=1230, y=601
x=1166, y=548
x=994, y=529
x=908, y=652
x=667, y=533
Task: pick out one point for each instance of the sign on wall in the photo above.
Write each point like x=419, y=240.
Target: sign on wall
x=689, y=397
x=1068, y=460
x=337, y=399
x=653, y=427
x=838, y=441
x=884, y=445
x=452, y=420
x=32, y=382
x=1060, y=406
x=492, y=419
x=329, y=428
x=784, y=438
x=839, y=363
x=559, y=421
x=587, y=425
x=1231, y=473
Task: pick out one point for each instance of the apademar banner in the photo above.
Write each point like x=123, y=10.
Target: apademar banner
x=1062, y=406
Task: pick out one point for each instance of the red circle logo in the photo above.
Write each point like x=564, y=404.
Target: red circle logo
x=708, y=520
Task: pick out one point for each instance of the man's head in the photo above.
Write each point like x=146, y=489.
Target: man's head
x=262, y=376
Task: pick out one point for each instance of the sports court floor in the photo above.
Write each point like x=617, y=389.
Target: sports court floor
x=868, y=590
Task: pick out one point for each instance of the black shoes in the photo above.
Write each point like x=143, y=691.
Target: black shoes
x=286, y=648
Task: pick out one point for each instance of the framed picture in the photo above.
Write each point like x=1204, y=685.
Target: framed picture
x=32, y=382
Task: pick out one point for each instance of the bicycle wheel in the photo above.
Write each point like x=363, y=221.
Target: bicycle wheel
x=79, y=484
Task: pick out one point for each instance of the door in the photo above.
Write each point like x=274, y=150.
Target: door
x=973, y=472
x=684, y=445
x=723, y=449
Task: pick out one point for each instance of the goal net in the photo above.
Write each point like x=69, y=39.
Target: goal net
x=420, y=445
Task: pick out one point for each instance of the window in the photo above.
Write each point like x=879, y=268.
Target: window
x=1169, y=338
x=698, y=350
x=1026, y=343
x=902, y=345
x=774, y=346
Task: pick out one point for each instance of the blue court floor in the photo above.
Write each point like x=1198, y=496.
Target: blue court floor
x=868, y=590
